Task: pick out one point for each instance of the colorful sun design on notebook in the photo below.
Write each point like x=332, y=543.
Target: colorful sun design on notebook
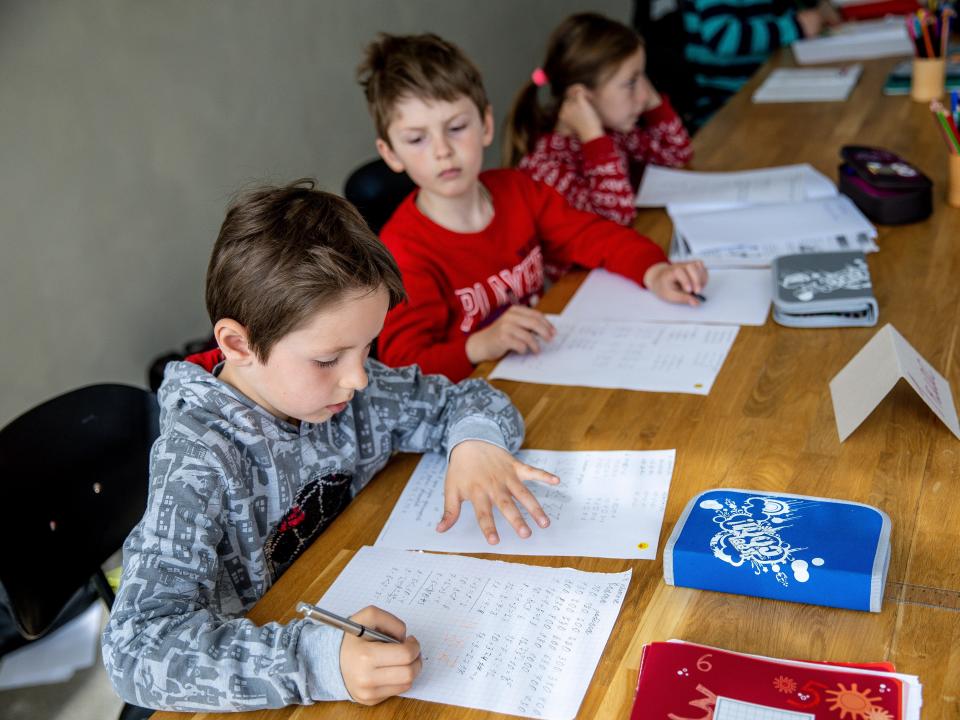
x=853, y=702
x=784, y=684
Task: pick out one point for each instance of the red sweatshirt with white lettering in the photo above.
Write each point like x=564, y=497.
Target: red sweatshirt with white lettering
x=458, y=283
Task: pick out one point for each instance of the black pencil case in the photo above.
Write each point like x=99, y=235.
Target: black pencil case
x=886, y=188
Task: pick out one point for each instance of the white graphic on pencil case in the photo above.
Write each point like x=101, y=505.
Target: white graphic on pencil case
x=750, y=535
x=806, y=285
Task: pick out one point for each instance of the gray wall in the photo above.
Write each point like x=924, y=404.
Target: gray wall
x=126, y=126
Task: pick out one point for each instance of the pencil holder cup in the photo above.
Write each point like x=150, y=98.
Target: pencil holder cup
x=953, y=181
x=928, y=79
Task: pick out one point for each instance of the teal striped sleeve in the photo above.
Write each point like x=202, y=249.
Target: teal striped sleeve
x=745, y=27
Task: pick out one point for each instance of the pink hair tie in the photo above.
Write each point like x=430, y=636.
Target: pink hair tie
x=539, y=77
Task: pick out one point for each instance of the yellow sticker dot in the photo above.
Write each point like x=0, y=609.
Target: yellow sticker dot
x=698, y=385
x=643, y=546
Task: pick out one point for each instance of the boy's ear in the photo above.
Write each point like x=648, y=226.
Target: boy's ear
x=234, y=342
x=488, y=126
x=389, y=156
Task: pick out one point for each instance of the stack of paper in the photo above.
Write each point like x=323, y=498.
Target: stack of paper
x=830, y=84
x=747, y=218
x=862, y=40
x=753, y=236
x=496, y=636
x=684, y=191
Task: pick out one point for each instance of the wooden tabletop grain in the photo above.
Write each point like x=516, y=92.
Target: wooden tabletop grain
x=767, y=425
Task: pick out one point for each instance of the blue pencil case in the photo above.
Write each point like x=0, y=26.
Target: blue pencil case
x=783, y=547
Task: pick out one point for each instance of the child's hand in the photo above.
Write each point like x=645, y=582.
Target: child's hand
x=577, y=115
x=675, y=282
x=517, y=329
x=810, y=22
x=487, y=475
x=374, y=671
x=829, y=13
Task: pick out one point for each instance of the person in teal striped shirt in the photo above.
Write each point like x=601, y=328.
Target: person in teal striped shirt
x=728, y=40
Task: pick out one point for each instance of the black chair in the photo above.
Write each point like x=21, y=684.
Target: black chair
x=77, y=479
x=376, y=191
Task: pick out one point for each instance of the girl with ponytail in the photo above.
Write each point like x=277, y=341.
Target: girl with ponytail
x=589, y=120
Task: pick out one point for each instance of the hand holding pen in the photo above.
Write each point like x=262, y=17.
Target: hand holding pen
x=377, y=659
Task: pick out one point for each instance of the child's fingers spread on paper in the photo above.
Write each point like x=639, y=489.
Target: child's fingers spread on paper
x=451, y=509
x=529, y=472
x=535, y=321
x=509, y=510
x=526, y=498
x=484, y=513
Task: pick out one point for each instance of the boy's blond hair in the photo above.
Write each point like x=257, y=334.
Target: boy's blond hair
x=425, y=67
x=284, y=253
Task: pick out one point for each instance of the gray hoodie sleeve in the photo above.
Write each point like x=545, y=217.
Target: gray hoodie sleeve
x=167, y=644
x=429, y=413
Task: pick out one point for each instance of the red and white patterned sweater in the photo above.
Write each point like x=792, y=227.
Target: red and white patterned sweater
x=595, y=176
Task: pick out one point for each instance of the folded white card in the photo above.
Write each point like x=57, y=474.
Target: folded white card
x=864, y=381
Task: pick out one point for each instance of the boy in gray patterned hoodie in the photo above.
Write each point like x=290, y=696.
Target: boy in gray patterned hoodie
x=263, y=443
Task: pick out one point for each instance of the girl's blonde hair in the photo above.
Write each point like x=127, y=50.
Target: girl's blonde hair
x=584, y=49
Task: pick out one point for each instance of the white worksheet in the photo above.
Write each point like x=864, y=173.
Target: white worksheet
x=686, y=191
x=497, y=636
x=608, y=504
x=656, y=357
x=829, y=84
x=735, y=296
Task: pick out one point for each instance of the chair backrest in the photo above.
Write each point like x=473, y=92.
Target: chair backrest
x=75, y=475
x=376, y=191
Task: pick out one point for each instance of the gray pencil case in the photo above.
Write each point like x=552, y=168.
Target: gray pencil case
x=831, y=289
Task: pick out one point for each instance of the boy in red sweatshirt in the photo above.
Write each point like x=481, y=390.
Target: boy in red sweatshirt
x=470, y=244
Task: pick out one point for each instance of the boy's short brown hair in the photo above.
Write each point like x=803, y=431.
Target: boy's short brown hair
x=285, y=252
x=425, y=66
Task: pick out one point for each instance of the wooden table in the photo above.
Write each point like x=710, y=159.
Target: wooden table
x=768, y=425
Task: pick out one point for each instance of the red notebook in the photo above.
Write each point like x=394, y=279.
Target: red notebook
x=684, y=681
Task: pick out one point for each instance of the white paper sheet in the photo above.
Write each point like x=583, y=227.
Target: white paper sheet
x=497, y=636
x=685, y=191
x=608, y=504
x=729, y=709
x=734, y=297
x=832, y=84
x=760, y=233
x=863, y=40
x=864, y=381
x=56, y=657
x=656, y=357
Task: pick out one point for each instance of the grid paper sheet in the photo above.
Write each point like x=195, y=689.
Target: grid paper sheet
x=728, y=709
x=608, y=504
x=655, y=357
x=497, y=636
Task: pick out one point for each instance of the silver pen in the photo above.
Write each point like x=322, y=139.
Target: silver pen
x=345, y=624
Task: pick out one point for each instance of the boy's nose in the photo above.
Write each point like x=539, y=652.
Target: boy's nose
x=356, y=378
x=442, y=148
